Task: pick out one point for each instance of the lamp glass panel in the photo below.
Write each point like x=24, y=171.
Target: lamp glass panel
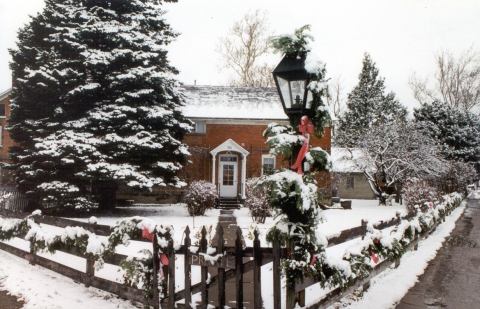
x=285, y=91
x=298, y=91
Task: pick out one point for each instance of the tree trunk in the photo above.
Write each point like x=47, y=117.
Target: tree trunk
x=106, y=194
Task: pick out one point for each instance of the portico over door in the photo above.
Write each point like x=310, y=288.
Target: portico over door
x=228, y=175
x=229, y=149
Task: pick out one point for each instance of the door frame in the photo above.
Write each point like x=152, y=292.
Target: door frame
x=228, y=191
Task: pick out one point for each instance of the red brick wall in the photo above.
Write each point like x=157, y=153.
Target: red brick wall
x=249, y=136
x=6, y=140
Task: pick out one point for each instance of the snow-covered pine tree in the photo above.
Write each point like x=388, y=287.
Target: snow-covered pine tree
x=457, y=131
x=109, y=114
x=367, y=105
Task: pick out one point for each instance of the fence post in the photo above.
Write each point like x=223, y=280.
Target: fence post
x=291, y=295
x=276, y=272
x=171, y=274
x=156, y=264
x=204, y=270
x=90, y=270
x=239, y=269
x=257, y=280
x=364, y=228
x=221, y=270
x=188, y=269
x=31, y=259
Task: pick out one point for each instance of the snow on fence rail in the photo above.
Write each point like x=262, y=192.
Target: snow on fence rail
x=216, y=270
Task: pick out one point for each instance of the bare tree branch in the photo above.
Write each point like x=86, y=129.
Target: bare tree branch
x=456, y=81
x=243, y=48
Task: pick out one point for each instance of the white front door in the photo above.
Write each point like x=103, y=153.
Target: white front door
x=228, y=177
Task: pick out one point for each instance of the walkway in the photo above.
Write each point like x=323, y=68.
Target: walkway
x=9, y=301
x=452, y=279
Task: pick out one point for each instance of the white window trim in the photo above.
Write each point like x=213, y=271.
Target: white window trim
x=271, y=157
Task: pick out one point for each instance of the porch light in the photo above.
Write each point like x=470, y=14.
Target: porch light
x=292, y=81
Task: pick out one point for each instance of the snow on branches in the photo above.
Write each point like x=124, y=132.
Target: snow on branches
x=95, y=100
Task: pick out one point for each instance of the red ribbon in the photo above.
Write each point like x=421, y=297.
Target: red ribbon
x=374, y=257
x=147, y=234
x=305, y=127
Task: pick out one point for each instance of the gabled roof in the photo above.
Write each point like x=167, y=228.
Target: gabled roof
x=229, y=145
x=5, y=93
x=224, y=102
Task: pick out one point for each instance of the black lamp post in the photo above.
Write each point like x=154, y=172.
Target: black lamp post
x=292, y=79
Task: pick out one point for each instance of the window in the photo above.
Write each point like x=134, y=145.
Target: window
x=350, y=182
x=268, y=164
x=2, y=110
x=228, y=174
x=200, y=127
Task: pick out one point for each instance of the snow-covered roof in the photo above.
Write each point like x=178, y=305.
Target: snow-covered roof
x=5, y=93
x=348, y=160
x=225, y=102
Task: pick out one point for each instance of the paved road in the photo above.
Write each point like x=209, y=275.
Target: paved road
x=9, y=302
x=452, y=279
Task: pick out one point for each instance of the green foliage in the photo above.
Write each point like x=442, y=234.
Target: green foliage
x=457, y=131
x=296, y=44
x=282, y=140
x=94, y=105
x=318, y=160
x=368, y=106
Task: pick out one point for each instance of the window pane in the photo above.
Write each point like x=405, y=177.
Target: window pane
x=228, y=175
x=200, y=127
x=2, y=110
x=268, y=165
x=298, y=91
x=284, y=89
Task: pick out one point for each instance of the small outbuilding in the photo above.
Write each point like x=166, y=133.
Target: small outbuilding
x=348, y=179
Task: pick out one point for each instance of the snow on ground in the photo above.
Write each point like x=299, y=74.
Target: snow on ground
x=175, y=215
x=412, y=265
x=43, y=289
x=334, y=220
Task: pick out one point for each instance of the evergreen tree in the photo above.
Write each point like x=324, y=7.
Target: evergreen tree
x=457, y=131
x=95, y=103
x=368, y=105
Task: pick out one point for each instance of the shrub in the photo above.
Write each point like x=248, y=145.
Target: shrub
x=256, y=200
x=417, y=192
x=201, y=195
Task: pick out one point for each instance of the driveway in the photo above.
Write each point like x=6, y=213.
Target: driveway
x=452, y=279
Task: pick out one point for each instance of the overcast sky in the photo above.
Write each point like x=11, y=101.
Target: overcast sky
x=402, y=36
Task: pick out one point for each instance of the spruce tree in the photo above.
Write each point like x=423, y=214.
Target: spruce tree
x=368, y=105
x=95, y=103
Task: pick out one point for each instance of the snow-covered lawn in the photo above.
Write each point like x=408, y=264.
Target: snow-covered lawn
x=334, y=220
x=45, y=289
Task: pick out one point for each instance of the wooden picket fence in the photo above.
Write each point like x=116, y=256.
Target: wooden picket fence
x=16, y=202
x=229, y=269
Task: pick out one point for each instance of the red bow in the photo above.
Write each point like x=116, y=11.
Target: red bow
x=306, y=128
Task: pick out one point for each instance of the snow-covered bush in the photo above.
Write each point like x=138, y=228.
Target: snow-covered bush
x=418, y=193
x=256, y=200
x=201, y=195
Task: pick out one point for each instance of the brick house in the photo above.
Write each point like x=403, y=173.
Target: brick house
x=5, y=140
x=227, y=144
